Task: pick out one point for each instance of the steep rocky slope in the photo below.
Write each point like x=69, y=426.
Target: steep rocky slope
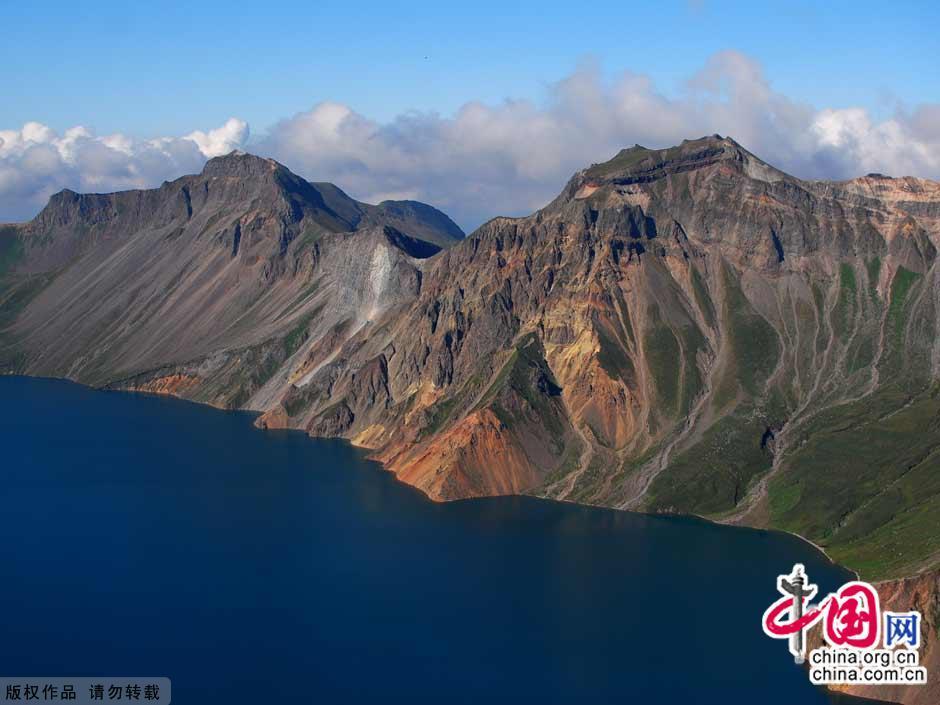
x=685, y=330
x=223, y=276
x=680, y=330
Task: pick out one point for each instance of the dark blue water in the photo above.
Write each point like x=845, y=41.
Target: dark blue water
x=147, y=536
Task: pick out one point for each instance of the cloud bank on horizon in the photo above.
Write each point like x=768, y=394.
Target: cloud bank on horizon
x=487, y=160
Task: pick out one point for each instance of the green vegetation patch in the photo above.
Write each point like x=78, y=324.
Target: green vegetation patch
x=904, y=280
x=523, y=395
x=598, y=485
x=844, y=314
x=756, y=351
x=755, y=345
x=702, y=298
x=692, y=342
x=862, y=477
x=713, y=475
x=664, y=359
x=901, y=546
x=594, y=477
x=874, y=271
x=300, y=333
x=250, y=368
x=896, y=361
x=442, y=411
x=625, y=160
x=628, y=160
x=299, y=399
x=248, y=374
x=530, y=379
x=439, y=413
x=613, y=357
x=862, y=354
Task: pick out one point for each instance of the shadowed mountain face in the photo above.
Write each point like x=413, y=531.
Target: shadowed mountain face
x=685, y=330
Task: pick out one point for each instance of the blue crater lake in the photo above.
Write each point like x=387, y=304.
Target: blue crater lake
x=147, y=536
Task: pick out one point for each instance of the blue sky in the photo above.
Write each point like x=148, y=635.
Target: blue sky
x=145, y=69
x=481, y=108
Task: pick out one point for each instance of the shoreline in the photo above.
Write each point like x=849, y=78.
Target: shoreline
x=802, y=538
x=257, y=414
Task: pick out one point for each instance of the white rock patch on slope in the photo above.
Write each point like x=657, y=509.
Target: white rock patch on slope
x=380, y=272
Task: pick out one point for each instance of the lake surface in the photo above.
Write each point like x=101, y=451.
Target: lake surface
x=146, y=536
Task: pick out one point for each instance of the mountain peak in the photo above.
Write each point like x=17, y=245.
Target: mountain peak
x=238, y=179
x=240, y=164
x=638, y=163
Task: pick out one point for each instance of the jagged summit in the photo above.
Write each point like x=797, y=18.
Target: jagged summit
x=230, y=186
x=240, y=164
x=642, y=177
x=640, y=164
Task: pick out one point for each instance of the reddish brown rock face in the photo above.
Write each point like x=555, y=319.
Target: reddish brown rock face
x=175, y=385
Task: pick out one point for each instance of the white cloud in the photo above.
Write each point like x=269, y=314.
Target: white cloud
x=899, y=145
x=36, y=161
x=514, y=157
x=487, y=160
x=222, y=140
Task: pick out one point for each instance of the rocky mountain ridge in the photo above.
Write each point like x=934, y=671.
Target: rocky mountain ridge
x=687, y=329
x=233, y=261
